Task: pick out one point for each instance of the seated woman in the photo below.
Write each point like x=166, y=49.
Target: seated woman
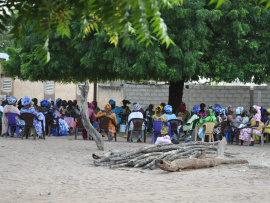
x=10, y=108
x=117, y=110
x=26, y=102
x=219, y=118
x=182, y=113
x=160, y=117
x=44, y=106
x=168, y=113
x=189, y=124
x=65, y=114
x=96, y=109
x=111, y=115
x=58, y=104
x=126, y=110
x=70, y=110
x=35, y=105
x=255, y=122
x=210, y=117
x=136, y=114
x=148, y=115
x=76, y=107
x=202, y=113
x=92, y=117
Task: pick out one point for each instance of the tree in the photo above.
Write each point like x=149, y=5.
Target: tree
x=221, y=44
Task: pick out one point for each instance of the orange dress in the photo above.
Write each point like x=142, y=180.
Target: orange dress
x=112, y=116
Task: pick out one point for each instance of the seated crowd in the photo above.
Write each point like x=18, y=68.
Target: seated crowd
x=227, y=119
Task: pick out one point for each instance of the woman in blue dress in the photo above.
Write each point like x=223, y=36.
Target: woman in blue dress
x=26, y=102
x=117, y=110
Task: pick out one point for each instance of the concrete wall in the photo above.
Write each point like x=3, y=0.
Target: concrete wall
x=261, y=96
x=223, y=95
x=105, y=93
x=27, y=88
x=146, y=94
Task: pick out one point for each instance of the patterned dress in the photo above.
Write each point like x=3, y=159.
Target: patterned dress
x=164, y=129
x=37, y=124
x=246, y=131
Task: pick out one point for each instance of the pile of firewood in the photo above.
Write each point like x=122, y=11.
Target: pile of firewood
x=152, y=156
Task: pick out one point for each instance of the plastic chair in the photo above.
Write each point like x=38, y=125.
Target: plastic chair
x=194, y=123
x=174, y=123
x=104, y=125
x=157, y=128
x=259, y=134
x=12, y=123
x=80, y=125
x=29, y=123
x=209, y=129
x=137, y=123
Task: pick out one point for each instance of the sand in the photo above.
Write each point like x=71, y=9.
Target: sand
x=60, y=169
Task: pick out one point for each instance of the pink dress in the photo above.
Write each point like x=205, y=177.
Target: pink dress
x=70, y=120
x=246, y=131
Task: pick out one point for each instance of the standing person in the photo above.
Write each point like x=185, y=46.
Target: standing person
x=136, y=114
x=92, y=118
x=111, y=115
x=255, y=122
x=26, y=102
x=10, y=108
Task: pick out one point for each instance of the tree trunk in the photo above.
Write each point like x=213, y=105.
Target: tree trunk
x=180, y=164
x=176, y=94
x=85, y=117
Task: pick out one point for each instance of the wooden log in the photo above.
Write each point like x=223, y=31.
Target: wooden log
x=181, y=164
x=85, y=117
x=144, y=162
x=221, y=146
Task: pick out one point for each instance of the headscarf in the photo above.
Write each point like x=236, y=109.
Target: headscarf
x=217, y=105
x=258, y=108
x=158, y=108
x=11, y=100
x=50, y=100
x=231, y=108
x=196, y=109
x=268, y=110
x=57, y=100
x=239, y=110
x=26, y=101
x=45, y=103
x=75, y=100
x=94, y=102
x=111, y=102
x=90, y=105
x=182, y=107
x=40, y=102
x=217, y=109
x=108, y=107
x=168, y=109
x=263, y=110
x=223, y=111
x=136, y=107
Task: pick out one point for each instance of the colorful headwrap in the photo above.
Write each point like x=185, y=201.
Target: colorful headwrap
x=268, y=110
x=57, y=100
x=239, y=110
x=223, y=111
x=75, y=100
x=182, y=107
x=263, y=110
x=159, y=108
x=26, y=101
x=108, y=107
x=168, y=109
x=11, y=100
x=217, y=105
x=111, y=102
x=196, y=109
x=258, y=108
x=40, y=102
x=90, y=105
x=94, y=102
x=136, y=107
x=217, y=109
x=45, y=103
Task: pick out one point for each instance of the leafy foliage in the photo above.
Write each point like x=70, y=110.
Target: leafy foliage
x=222, y=44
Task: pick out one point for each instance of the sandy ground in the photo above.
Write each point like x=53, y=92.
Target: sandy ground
x=60, y=169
